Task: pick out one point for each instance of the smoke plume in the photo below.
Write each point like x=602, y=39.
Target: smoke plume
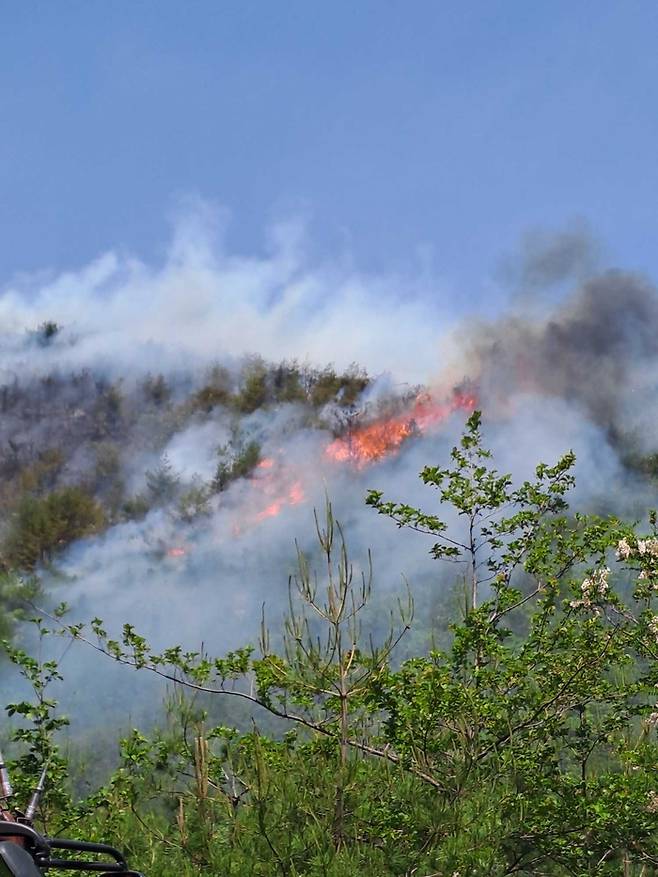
x=579, y=372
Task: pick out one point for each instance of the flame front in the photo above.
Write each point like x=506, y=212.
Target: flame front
x=273, y=480
x=368, y=444
x=278, y=487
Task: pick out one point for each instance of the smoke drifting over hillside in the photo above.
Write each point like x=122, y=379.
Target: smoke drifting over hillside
x=202, y=304
x=595, y=349
x=571, y=365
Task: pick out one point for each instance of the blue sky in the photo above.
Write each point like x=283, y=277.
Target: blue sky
x=413, y=135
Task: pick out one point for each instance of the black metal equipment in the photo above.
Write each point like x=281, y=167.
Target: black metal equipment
x=36, y=857
x=26, y=853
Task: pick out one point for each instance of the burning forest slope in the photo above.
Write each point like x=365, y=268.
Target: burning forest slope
x=175, y=497
x=93, y=454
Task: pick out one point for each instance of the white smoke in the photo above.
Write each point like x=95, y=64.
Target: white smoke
x=203, y=304
x=124, y=318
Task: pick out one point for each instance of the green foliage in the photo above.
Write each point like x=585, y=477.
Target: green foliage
x=108, y=463
x=162, y=483
x=15, y=595
x=261, y=385
x=288, y=383
x=328, y=386
x=237, y=459
x=492, y=546
x=102, y=425
x=156, y=390
x=34, y=736
x=217, y=391
x=254, y=392
x=43, y=473
x=42, y=526
x=527, y=746
x=108, y=412
x=47, y=332
x=209, y=397
x=194, y=502
x=135, y=508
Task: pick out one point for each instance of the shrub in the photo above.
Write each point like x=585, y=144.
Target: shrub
x=41, y=526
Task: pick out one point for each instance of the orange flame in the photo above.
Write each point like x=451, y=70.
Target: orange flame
x=367, y=444
x=293, y=496
x=274, y=482
x=360, y=447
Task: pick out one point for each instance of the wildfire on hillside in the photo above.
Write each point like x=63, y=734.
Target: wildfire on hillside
x=367, y=444
x=277, y=485
x=359, y=447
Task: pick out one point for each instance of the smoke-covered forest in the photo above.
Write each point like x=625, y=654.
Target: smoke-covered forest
x=246, y=638
x=328, y=438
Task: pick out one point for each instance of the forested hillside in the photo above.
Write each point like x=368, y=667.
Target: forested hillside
x=526, y=744
x=367, y=672
x=328, y=439
x=67, y=440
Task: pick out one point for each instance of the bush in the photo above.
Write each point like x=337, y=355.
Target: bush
x=41, y=526
x=287, y=383
x=345, y=388
x=237, y=460
x=47, y=332
x=156, y=390
x=254, y=392
x=162, y=483
x=43, y=472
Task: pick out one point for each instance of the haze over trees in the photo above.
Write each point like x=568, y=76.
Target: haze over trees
x=525, y=743
x=67, y=481
x=500, y=720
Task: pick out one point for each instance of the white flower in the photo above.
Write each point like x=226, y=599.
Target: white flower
x=653, y=626
x=594, y=587
x=623, y=549
x=602, y=581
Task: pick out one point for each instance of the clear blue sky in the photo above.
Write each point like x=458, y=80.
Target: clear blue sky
x=399, y=128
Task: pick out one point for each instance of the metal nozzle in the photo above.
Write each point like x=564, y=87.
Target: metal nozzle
x=6, y=790
x=33, y=806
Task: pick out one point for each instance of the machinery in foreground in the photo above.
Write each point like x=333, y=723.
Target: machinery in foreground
x=26, y=853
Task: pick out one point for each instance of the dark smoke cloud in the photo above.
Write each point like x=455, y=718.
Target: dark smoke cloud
x=595, y=350
x=547, y=259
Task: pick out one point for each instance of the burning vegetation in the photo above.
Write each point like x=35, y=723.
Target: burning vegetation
x=362, y=445
x=278, y=486
x=275, y=483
